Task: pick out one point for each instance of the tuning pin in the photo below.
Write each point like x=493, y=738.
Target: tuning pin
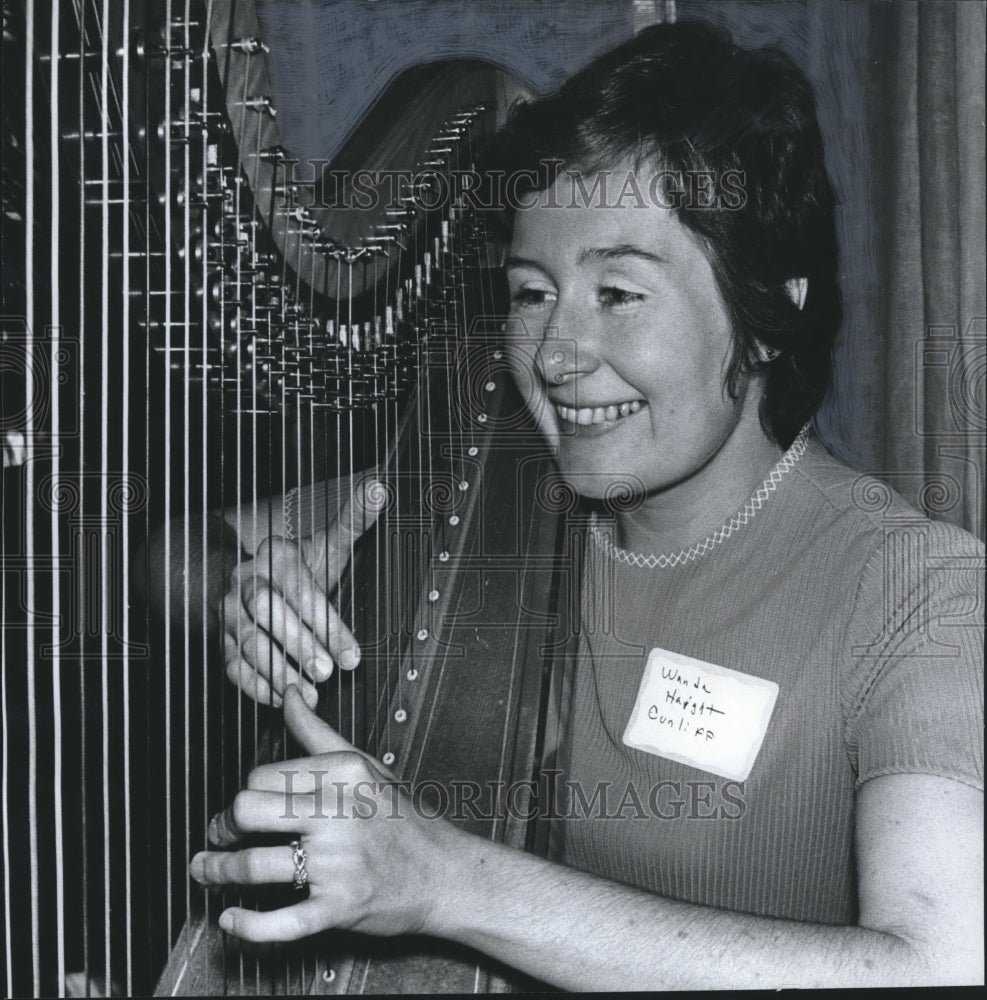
x=379, y=244
x=274, y=154
x=324, y=246
x=248, y=46
x=259, y=103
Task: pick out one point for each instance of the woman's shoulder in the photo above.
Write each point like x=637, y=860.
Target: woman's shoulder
x=869, y=505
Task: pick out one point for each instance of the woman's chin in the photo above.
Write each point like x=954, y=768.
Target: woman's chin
x=622, y=491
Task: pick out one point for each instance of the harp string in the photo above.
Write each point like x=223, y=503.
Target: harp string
x=29, y=582
x=188, y=185
x=207, y=653
x=245, y=715
x=103, y=554
x=237, y=339
x=185, y=112
x=143, y=241
x=127, y=473
x=169, y=435
x=80, y=486
x=54, y=526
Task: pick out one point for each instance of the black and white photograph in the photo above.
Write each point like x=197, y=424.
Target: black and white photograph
x=493, y=496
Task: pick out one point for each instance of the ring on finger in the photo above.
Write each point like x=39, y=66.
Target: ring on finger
x=300, y=860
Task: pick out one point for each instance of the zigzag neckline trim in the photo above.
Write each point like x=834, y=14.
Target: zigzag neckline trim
x=757, y=500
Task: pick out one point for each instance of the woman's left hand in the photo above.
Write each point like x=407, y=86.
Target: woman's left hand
x=373, y=864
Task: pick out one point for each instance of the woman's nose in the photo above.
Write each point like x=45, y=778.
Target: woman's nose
x=557, y=359
x=565, y=352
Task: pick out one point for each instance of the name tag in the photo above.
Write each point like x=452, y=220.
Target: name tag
x=710, y=717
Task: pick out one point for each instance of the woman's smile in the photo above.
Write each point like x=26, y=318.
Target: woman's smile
x=604, y=417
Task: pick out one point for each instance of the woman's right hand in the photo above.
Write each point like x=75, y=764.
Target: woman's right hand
x=279, y=627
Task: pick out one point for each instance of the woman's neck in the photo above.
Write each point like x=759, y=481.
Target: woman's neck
x=674, y=518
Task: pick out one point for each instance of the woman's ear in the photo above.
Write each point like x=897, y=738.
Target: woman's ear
x=796, y=288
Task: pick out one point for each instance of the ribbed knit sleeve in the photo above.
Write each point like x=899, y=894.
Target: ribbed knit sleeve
x=912, y=685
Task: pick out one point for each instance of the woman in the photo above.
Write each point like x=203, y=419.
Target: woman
x=672, y=269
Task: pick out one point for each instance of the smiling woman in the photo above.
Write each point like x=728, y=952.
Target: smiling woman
x=634, y=345
x=750, y=628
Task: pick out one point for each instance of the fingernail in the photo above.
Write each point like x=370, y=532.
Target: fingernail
x=197, y=867
x=311, y=696
x=214, y=830
x=350, y=657
x=319, y=668
x=225, y=921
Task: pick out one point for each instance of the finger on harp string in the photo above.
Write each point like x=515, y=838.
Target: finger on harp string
x=255, y=812
x=252, y=684
x=299, y=618
x=296, y=610
x=328, y=551
x=252, y=657
x=252, y=866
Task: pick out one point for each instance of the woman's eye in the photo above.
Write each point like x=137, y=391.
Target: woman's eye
x=531, y=298
x=611, y=296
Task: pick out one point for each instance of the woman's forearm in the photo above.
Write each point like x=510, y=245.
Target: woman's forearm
x=581, y=932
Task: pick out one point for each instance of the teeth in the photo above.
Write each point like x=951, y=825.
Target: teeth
x=598, y=414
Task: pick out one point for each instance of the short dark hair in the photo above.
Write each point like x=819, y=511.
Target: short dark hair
x=685, y=99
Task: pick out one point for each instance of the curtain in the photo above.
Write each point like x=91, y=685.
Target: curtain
x=926, y=106
x=900, y=96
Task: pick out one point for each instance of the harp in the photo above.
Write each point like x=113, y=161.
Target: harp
x=192, y=323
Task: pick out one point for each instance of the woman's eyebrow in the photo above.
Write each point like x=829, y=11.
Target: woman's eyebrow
x=619, y=252
x=523, y=262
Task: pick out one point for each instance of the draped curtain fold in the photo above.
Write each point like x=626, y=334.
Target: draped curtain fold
x=926, y=102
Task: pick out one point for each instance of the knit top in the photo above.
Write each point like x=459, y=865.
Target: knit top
x=869, y=619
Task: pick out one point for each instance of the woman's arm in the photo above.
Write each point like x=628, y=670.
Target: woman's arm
x=920, y=859
x=919, y=843
x=185, y=567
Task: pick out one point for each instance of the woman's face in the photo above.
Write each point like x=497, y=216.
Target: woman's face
x=621, y=343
